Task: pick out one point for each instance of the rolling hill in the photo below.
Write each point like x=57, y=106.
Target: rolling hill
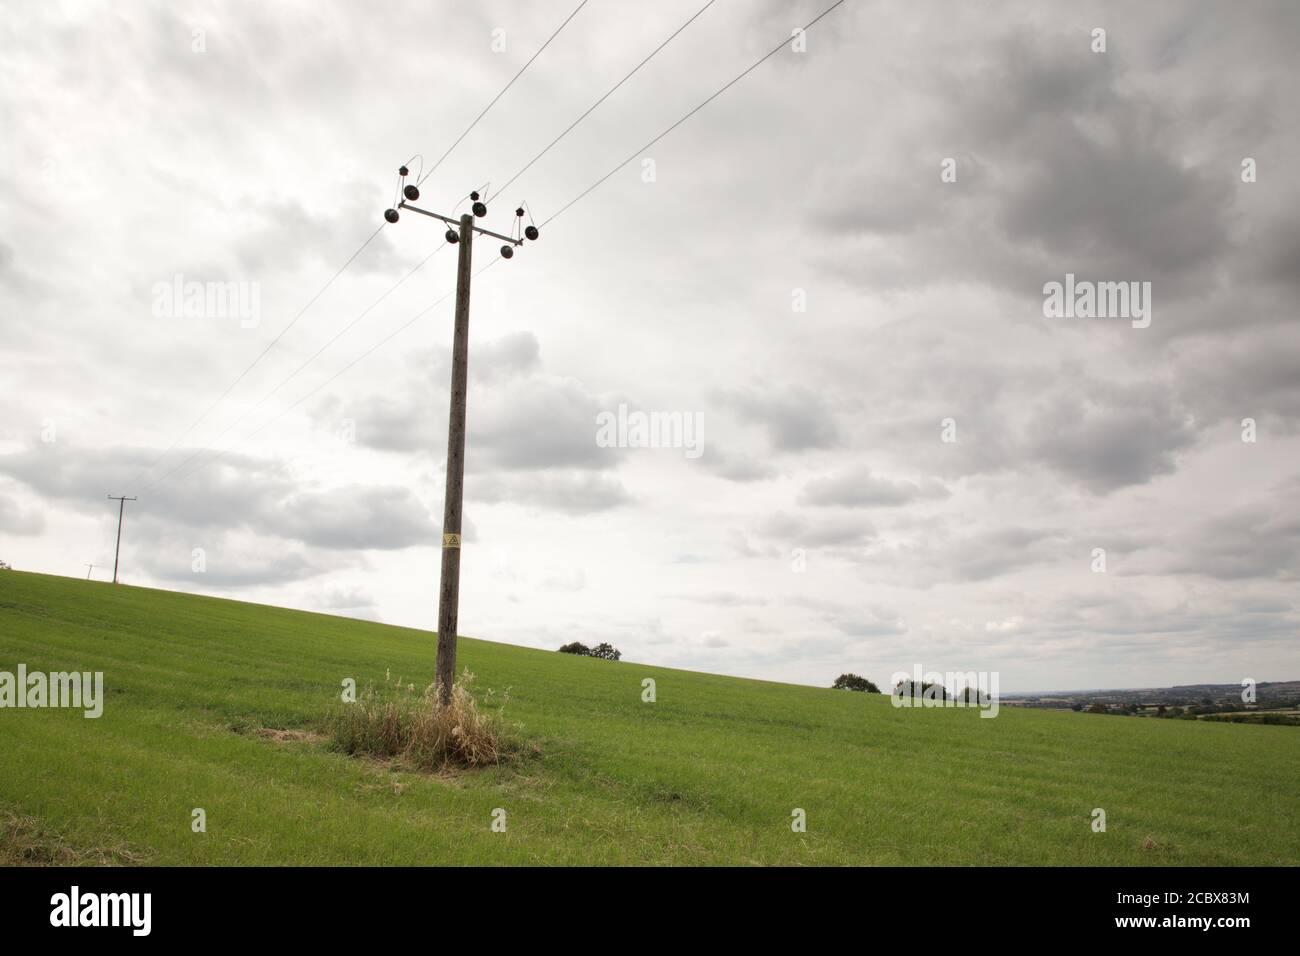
x=215, y=704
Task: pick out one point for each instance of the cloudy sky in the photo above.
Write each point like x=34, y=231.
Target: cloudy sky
x=832, y=268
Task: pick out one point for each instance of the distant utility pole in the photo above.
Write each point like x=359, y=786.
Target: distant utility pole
x=449, y=587
x=89, y=568
x=121, y=504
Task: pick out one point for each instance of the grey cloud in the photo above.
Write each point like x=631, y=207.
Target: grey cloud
x=1248, y=376
x=1062, y=166
x=795, y=417
x=14, y=519
x=997, y=552
x=229, y=493
x=518, y=419
x=1111, y=438
x=723, y=599
x=736, y=467
x=869, y=626
x=861, y=489
x=284, y=232
x=344, y=598
x=1259, y=541
x=540, y=425
x=358, y=517
x=575, y=493
x=231, y=560
x=813, y=531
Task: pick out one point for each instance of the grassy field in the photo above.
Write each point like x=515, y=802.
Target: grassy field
x=708, y=774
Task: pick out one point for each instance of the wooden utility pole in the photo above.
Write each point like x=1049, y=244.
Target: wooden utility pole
x=449, y=584
x=121, y=505
x=90, y=567
x=449, y=588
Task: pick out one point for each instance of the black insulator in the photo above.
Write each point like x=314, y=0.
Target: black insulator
x=403, y=171
x=411, y=193
x=453, y=236
x=474, y=194
x=391, y=215
x=520, y=212
x=507, y=252
x=531, y=232
x=480, y=210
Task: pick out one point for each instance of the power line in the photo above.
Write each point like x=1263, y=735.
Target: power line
x=366, y=354
x=607, y=95
x=285, y=381
x=503, y=91
x=262, y=354
x=498, y=192
x=242, y=375
x=766, y=56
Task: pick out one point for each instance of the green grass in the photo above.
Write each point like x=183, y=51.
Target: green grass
x=708, y=774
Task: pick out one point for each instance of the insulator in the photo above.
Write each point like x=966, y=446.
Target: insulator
x=532, y=232
x=391, y=215
x=403, y=171
x=474, y=194
x=507, y=252
x=480, y=210
x=411, y=193
x=453, y=236
x=520, y=212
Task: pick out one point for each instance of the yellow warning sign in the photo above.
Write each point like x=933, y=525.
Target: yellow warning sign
x=451, y=541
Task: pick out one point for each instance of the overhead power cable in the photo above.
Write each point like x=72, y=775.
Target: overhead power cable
x=740, y=76
x=261, y=355
x=292, y=375
x=607, y=95
x=366, y=354
x=753, y=66
x=421, y=180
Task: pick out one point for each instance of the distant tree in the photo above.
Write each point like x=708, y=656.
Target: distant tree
x=1076, y=706
x=582, y=650
x=1161, y=710
x=4, y=566
x=910, y=688
x=854, y=682
x=606, y=652
x=1099, y=708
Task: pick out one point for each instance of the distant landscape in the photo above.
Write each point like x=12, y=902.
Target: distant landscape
x=1275, y=702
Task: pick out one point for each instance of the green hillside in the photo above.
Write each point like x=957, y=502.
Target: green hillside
x=708, y=774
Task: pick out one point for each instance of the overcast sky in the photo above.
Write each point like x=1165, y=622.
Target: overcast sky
x=792, y=272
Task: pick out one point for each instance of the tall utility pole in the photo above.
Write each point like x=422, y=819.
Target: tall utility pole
x=121, y=505
x=449, y=586
x=91, y=567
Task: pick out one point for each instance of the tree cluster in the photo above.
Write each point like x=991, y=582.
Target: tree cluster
x=606, y=652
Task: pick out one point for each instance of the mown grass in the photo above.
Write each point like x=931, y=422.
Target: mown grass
x=219, y=705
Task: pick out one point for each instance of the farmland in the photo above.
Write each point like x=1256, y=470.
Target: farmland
x=216, y=705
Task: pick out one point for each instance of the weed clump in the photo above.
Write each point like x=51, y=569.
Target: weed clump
x=399, y=720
